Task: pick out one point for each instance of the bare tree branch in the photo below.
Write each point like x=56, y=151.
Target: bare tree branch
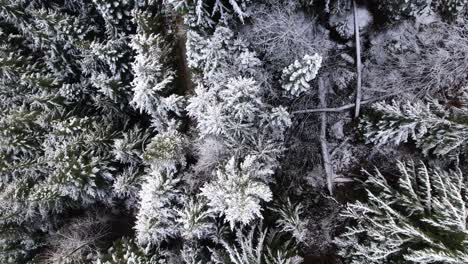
x=345, y=107
x=335, y=151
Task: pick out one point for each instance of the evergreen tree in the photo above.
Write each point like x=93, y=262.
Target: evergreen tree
x=237, y=192
x=422, y=219
x=296, y=77
x=157, y=215
x=434, y=127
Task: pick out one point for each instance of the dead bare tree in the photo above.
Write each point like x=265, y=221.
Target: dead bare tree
x=358, y=60
x=75, y=240
x=323, y=136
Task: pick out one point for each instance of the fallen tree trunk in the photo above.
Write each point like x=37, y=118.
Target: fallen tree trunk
x=323, y=137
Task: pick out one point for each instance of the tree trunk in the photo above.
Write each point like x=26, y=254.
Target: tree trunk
x=358, y=60
x=323, y=136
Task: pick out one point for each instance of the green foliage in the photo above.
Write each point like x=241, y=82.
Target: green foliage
x=63, y=92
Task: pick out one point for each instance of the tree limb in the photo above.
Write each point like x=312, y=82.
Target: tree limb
x=335, y=151
x=344, y=107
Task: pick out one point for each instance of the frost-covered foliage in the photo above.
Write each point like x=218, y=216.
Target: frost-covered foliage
x=291, y=219
x=158, y=197
x=126, y=251
x=166, y=150
x=297, y=76
x=238, y=191
x=283, y=33
x=233, y=115
x=343, y=22
x=210, y=152
x=421, y=219
x=213, y=55
x=433, y=127
x=401, y=9
x=257, y=245
x=195, y=219
x=452, y=8
x=202, y=10
x=153, y=82
x=234, y=111
x=64, y=89
x=424, y=61
x=77, y=241
x=169, y=118
x=116, y=14
x=128, y=148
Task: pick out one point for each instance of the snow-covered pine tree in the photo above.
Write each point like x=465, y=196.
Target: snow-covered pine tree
x=210, y=56
x=435, y=128
x=238, y=191
x=166, y=150
x=116, y=15
x=159, y=196
x=153, y=83
x=420, y=219
x=296, y=77
x=235, y=112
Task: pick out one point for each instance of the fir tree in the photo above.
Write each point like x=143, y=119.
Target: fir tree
x=433, y=127
x=237, y=192
x=296, y=77
x=159, y=197
x=420, y=220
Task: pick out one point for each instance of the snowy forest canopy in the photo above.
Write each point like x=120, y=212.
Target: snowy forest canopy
x=233, y=131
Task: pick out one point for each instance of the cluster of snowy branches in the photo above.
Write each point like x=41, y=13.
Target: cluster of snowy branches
x=421, y=220
x=430, y=125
